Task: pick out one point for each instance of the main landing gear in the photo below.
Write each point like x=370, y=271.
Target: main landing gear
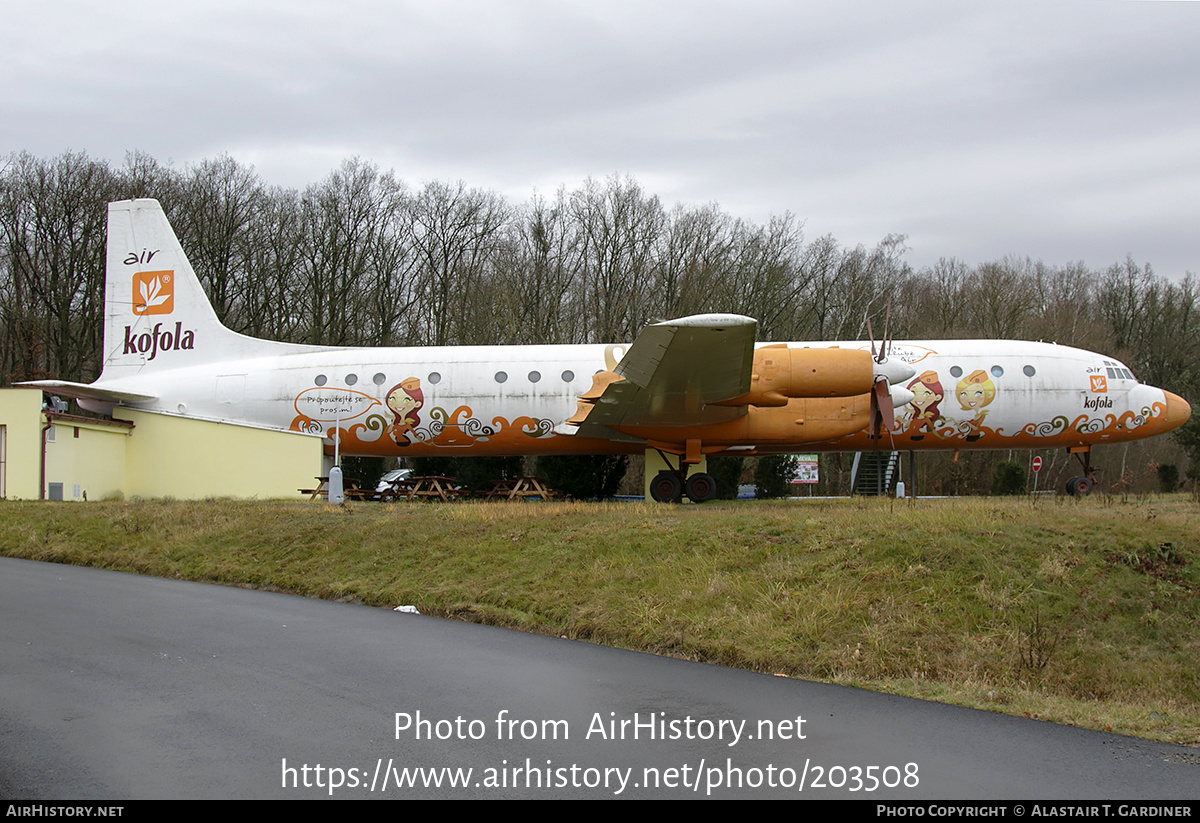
x=1082, y=485
x=667, y=487
x=670, y=484
x=675, y=477
x=700, y=488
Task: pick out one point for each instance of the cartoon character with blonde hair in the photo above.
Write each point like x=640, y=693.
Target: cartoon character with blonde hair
x=404, y=399
x=974, y=392
x=927, y=395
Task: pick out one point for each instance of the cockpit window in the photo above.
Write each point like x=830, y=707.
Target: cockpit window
x=1118, y=370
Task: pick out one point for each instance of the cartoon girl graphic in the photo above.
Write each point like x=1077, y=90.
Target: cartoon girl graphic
x=927, y=395
x=974, y=392
x=404, y=399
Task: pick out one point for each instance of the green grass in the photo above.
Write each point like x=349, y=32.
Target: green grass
x=1064, y=610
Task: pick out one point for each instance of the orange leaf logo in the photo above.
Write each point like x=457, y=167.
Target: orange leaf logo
x=1099, y=383
x=153, y=292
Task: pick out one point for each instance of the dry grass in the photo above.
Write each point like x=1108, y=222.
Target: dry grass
x=1076, y=611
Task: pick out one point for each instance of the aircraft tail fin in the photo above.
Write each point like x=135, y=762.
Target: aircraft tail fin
x=156, y=314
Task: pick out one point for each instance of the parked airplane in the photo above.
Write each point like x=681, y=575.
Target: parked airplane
x=691, y=387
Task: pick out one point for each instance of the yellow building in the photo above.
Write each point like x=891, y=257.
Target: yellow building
x=51, y=455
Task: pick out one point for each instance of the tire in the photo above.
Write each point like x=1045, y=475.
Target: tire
x=1083, y=487
x=1073, y=486
x=700, y=488
x=665, y=487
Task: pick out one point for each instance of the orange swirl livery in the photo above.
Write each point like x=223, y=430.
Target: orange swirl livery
x=688, y=388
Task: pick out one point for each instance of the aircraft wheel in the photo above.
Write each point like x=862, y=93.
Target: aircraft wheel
x=665, y=487
x=1083, y=487
x=700, y=488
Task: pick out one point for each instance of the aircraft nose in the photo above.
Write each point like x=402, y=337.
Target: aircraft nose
x=1178, y=412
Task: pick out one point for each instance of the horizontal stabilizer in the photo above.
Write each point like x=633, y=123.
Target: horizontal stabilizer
x=90, y=392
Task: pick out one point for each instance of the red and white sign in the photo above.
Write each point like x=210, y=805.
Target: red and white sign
x=1037, y=465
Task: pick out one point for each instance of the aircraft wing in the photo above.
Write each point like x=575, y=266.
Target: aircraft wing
x=672, y=374
x=88, y=391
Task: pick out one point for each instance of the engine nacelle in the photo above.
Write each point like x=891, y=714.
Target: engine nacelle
x=780, y=373
x=799, y=421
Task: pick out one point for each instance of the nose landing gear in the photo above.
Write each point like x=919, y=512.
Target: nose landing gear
x=1079, y=486
x=1082, y=485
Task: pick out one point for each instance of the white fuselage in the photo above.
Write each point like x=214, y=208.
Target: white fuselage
x=509, y=399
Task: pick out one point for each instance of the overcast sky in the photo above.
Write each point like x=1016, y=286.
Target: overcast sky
x=1060, y=130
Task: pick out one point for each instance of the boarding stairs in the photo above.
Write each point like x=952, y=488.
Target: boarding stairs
x=874, y=474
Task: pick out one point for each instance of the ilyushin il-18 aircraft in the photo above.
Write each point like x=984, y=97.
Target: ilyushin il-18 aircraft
x=689, y=388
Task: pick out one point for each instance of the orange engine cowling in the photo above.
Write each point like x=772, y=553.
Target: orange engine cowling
x=780, y=373
x=801, y=420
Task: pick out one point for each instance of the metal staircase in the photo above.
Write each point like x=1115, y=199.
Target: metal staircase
x=875, y=473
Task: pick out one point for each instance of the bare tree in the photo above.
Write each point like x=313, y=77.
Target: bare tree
x=1065, y=305
x=272, y=295
x=536, y=268
x=767, y=274
x=217, y=203
x=694, y=263
x=1000, y=297
x=52, y=219
x=455, y=230
x=934, y=303
x=619, y=228
x=342, y=220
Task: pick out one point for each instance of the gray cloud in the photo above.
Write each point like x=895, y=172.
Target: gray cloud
x=1062, y=130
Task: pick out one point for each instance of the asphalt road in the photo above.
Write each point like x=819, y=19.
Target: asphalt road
x=115, y=686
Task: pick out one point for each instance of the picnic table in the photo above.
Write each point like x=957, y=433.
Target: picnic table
x=422, y=488
x=521, y=488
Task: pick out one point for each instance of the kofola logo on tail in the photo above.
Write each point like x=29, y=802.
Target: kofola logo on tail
x=157, y=340
x=154, y=293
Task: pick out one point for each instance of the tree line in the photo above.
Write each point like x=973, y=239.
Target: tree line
x=362, y=258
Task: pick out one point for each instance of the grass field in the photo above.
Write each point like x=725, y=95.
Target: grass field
x=1082, y=612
